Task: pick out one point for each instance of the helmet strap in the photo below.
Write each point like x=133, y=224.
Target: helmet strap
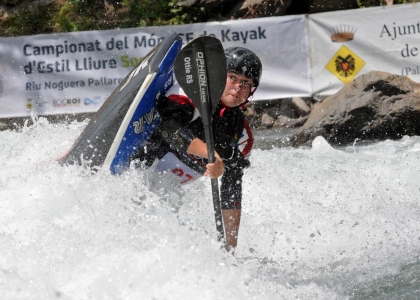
x=251, y=94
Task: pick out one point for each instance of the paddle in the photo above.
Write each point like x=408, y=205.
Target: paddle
x=200, y=68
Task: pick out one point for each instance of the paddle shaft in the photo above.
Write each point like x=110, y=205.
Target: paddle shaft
x=206, y=115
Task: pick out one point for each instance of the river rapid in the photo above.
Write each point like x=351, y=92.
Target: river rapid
x=318, y=222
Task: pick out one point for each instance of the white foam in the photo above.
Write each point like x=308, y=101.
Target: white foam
x=315, y=222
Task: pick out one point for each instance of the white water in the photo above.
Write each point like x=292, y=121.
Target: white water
x=316, y=223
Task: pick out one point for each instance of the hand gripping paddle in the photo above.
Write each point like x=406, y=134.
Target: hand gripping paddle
x=200, y=68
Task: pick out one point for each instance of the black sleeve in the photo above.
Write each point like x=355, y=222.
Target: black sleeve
x=229, y=133
x=231, y=188
x=176, y=136
x=227, y=130
x=176, y=108
x=225, y=145
x=176, y=114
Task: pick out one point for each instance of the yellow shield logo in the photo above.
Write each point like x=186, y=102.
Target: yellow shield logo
x=345, y=64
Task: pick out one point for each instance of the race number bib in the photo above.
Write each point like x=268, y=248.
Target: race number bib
x=171, y=163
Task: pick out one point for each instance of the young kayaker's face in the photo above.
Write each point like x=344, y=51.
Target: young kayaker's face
x=237, y=90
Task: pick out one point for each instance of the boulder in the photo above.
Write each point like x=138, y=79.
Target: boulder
x=374, y=106
x=277, y=113
x=3, y=126
x=287, y=122
x=300, y=106
x=267, y=120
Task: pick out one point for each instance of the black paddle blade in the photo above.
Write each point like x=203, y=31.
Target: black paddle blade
x=200, y=69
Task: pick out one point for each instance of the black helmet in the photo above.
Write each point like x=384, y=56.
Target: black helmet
x=245, y=62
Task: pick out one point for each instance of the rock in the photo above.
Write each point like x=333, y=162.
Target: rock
x=374, y=106
x=277, y=113
x=287, y=122
x=287, y=108
x=300, y=106
x=267, y=120
x=3, y=126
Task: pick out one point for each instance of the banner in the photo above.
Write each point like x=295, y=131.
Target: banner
x=346, y=44
x=76, y=72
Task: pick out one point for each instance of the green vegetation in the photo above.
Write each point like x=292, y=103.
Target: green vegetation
x=27, y=21
x=33, y=17
x=78, y=15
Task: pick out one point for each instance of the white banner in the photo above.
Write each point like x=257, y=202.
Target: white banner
x=76, y=72
x=346, y=44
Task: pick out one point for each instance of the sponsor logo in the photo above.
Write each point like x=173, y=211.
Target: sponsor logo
x=35, y=104
x=96, y=100
x=202, y=76
x=188, y=67
x=66, y=102
x=29, y=104
x=342, y=33
x=345, y=64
